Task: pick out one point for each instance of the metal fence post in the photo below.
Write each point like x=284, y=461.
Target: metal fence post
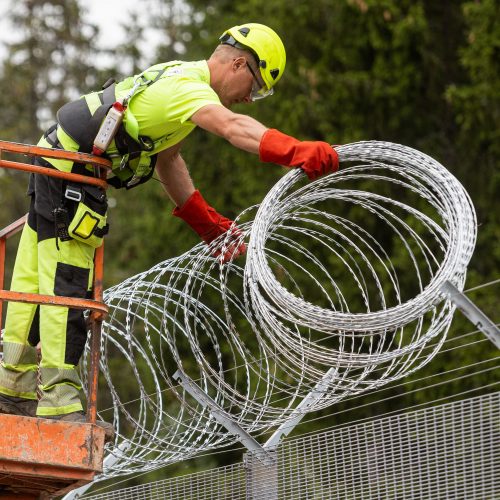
x=261, y=477
x=472, y=312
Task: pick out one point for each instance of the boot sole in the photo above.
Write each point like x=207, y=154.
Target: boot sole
x=13, y=409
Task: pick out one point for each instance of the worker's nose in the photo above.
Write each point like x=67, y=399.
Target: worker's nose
x=247, y=99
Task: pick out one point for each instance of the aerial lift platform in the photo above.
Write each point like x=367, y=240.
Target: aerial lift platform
x=42, y=458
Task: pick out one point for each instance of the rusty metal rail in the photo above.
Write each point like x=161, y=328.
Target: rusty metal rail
x=95, y=305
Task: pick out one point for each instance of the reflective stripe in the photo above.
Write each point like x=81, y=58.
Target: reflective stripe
x=17, y=394
x=93, y=102
x=60, y=391
x=66, y=141
x=51, y=411
x=63, y=165
x=19, y=353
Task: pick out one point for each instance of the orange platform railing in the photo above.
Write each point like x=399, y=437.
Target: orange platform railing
x=11, y=460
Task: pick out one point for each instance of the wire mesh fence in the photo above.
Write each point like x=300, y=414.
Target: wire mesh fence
x=445, y=451
x=224, y=483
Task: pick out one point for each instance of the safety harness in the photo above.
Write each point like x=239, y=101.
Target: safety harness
x=81, y=123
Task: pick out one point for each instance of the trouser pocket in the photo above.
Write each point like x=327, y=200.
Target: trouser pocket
x=89, y=224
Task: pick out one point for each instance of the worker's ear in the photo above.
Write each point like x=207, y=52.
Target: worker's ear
x=239, y=62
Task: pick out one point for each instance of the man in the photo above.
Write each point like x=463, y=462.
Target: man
x=163, y=105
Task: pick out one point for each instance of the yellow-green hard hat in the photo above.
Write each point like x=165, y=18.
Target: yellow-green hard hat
x=265, y=45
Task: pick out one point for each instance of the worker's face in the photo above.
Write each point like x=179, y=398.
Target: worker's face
x=240, y=80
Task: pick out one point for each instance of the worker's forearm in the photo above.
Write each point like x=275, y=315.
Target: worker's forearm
x=174, y=175
x=241, y=131
x=245, y=133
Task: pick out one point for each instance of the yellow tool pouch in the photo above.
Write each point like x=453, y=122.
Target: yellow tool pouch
x=89, y=224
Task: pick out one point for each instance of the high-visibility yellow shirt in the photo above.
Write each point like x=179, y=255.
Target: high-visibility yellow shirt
x=164, y=109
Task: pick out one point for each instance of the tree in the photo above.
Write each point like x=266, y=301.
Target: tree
x=475, y=101
x=48, y=66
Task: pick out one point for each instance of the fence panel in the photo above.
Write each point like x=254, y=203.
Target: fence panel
x=446, y=451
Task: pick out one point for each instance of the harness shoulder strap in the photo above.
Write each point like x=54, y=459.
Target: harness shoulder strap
x=74, y=113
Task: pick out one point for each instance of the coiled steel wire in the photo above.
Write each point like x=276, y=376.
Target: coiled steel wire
x=342, y=272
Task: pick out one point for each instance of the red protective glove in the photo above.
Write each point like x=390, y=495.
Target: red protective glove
x=210, y=225
x=315, y=158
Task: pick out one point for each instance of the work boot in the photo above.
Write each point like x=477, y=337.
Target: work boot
x=79, y=417
x=13, y=405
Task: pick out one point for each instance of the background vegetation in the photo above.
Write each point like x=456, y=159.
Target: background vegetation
x=422, y=73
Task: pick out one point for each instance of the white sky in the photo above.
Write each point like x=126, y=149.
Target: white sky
x=107, y=14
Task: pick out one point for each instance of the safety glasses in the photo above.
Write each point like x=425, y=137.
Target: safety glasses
x=258, y=91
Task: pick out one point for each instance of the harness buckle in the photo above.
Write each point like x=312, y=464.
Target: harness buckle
x=73, y=194
x=147, y=144
x=132, y=182
x=124, y=161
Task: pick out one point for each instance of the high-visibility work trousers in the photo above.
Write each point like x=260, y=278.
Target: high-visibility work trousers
x=46, y=266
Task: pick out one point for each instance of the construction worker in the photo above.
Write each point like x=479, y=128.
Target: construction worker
x=66, y=222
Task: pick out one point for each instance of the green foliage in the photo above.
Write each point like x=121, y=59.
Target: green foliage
x=477, y=98
x=50, y=63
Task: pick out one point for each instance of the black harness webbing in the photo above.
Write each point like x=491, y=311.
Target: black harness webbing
x=73, y=114
x=77, y=121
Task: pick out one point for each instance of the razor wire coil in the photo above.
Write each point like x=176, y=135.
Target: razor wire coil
x=324, y=284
